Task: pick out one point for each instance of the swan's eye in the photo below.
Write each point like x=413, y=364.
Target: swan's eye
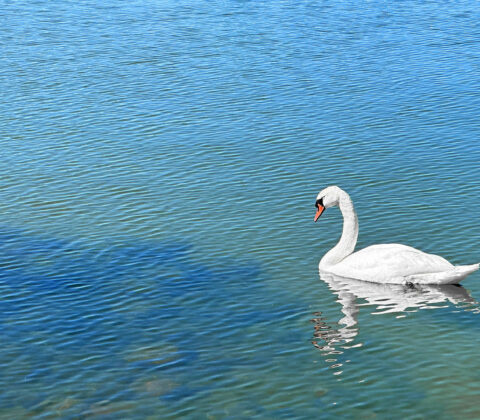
x=319, y=202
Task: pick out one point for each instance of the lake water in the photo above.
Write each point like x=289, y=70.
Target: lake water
x=160, y=162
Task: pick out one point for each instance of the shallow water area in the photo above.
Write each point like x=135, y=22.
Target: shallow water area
x=160, y=163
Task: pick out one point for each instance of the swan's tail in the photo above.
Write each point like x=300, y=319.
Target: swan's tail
x=461, y=271
x=454, y=276
x=467, y=269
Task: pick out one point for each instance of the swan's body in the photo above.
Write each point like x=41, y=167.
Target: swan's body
x=386, y=263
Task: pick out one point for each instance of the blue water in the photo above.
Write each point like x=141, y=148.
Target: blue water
x=160, y=162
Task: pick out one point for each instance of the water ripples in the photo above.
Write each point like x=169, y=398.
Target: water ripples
x=75, y=320
x=160, y=162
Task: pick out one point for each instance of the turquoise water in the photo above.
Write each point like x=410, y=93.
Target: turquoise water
x=160, y=163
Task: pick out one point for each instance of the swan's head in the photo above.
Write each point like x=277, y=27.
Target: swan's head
x=326, y=198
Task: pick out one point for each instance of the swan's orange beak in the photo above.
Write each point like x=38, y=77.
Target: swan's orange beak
x=319, y=212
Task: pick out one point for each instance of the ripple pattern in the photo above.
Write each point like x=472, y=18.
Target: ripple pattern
x=159, y=165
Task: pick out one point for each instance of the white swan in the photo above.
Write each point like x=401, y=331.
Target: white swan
x=385, y=263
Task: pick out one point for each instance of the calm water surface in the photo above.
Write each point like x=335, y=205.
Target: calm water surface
x=160, y=162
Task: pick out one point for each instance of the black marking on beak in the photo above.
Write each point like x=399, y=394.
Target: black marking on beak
x=319, y=202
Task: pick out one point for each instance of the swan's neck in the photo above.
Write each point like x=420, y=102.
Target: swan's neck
x=347, y=242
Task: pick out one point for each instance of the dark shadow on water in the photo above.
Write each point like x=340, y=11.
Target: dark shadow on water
x=147, y=316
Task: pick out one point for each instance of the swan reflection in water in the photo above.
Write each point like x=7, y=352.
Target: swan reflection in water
x=384, y=298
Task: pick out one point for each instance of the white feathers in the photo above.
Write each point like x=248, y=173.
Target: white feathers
x=385, y=263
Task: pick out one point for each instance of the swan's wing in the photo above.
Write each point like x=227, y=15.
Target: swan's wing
x=391, y=263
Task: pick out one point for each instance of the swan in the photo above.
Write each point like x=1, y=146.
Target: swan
x=383, y=263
